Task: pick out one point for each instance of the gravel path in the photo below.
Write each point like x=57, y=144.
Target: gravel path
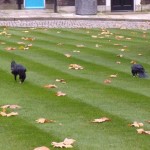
x=77, y=24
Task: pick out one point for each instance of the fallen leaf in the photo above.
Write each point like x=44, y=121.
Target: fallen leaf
x=67, y=55
x=133, y=62
x=76, y=51
x=122, y=50
x=100, y=120
x=120, y=55
x=60, y=80
x=28, y=38
x=80, y=45
x=67, y=143
x=118, y=62
x=128, y=38
x=75, y=66
x=10, y=48
x=58, y=145
x=42, y=148
x=43, y=120
x=50, y=86
x=148, y=121
x=117, y=44
x=21, y=43
x=11, y=106
x=59, y=93
x=25, y=31
x=97, y=45
x=113, y=76
x=142, y=131
x=4, y=114
x=94, y=36
x=136, y=124
x=107, y=81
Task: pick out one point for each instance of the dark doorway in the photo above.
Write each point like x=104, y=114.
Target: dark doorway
x=122, y=5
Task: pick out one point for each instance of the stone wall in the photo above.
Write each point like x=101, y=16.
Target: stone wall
x=145, y=1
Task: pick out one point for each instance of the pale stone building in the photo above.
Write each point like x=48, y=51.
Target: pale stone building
x=69, y=5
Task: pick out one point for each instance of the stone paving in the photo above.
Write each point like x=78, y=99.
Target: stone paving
x=77, y=24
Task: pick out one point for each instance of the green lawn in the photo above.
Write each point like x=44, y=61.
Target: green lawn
x=124, y=100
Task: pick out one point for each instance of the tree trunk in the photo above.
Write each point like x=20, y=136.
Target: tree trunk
x=86, y=7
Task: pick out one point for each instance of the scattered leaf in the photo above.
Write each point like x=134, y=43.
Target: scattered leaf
x=67, y=143
x=107, y=81
x=113, y=76
x=118, y=62
x=11, y=106
x=100, y=120
x=67, y=55
x=133, y=62
x=94, y=36
x=21, y=43
x=76, y=51
x=60, y=80
x=75, y=66
x=59, y=93
x=43, y=120
x=4, y=114
x=80, y=45
x=142, y=131
x=50, y=86
x=28, y=38
x=10, y=48
x=136, y=124
x=42, y=148
x=120, y=55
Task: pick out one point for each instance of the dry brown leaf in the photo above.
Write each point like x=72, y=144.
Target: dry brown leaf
x=76, y=51
x=133, y=62
x=80, y=45
x=49, y=86
x=58, y=145
x=28, y=38
x=59, y=93
x=94, y=36
x=107, y=81
x=21, y=43
x=128, y=38
x=148, y=121
x=113, y=76
x=10, y=48
x=4, y=114
x=67, y=143
x=117, y=44
x=122, y=49
x=75, y=66
x=42, y=148
x=60, y=80
x=100, y=120
x=136, y=124
x=118, y=62
x=120, y=55
x=68, y=55
x=97, y=45
x=142, y=131
x=43, y=120
x=11, y=106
